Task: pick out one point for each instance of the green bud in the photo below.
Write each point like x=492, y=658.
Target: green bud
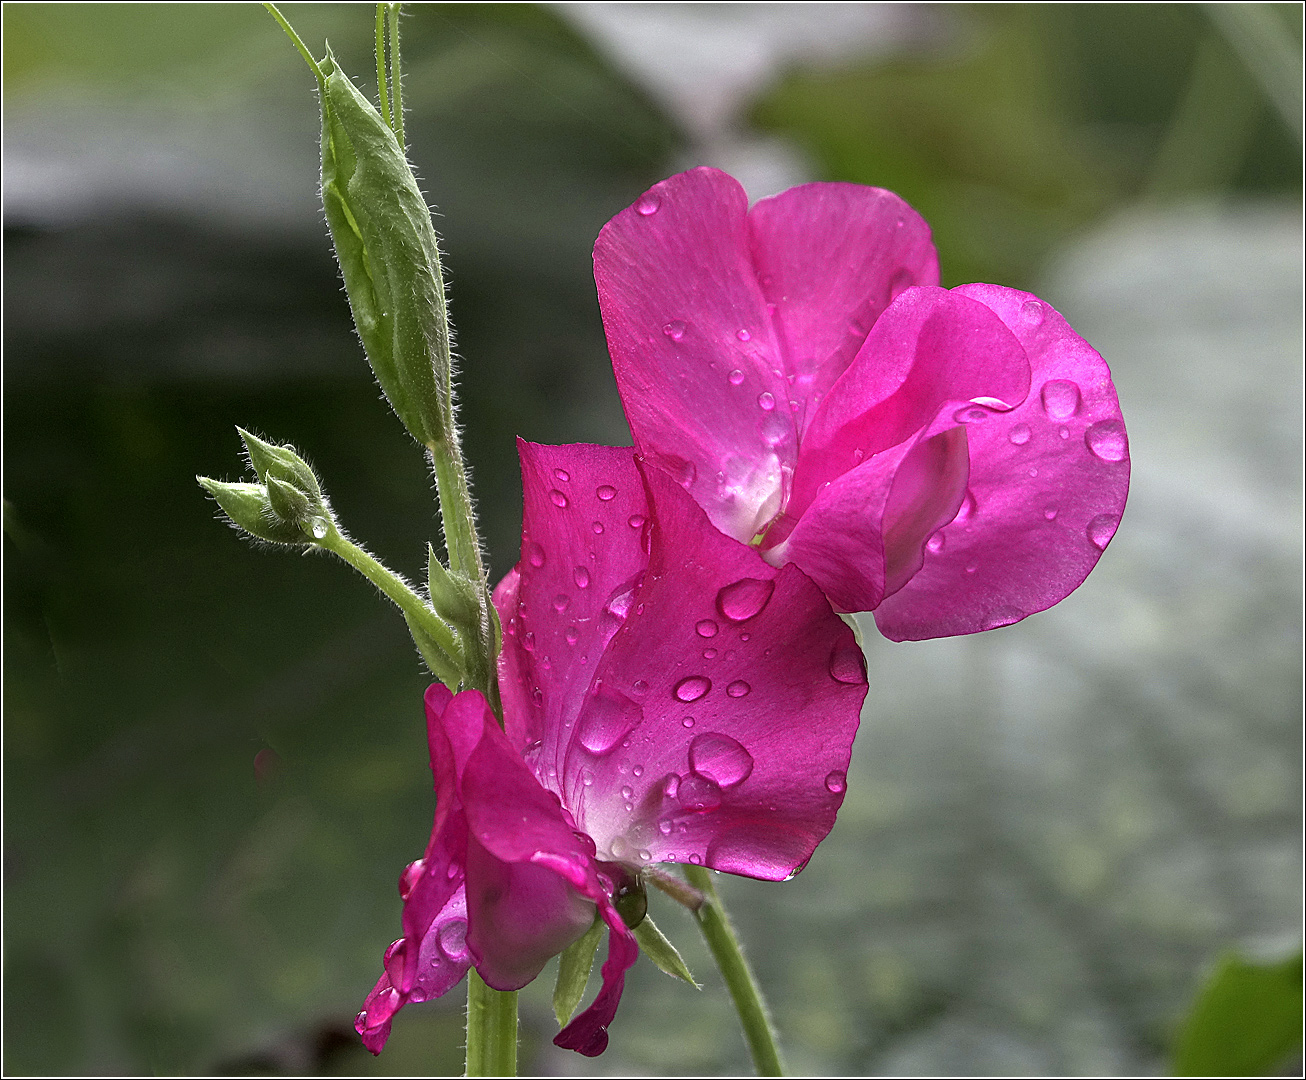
x=442, y=665
x=287, y=501
x=281, y=462
x=248, y=507
x=452, y=595
x=381, y=227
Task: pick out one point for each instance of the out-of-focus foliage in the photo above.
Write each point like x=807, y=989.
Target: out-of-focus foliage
x=1032, y=120
x=1246, y=1021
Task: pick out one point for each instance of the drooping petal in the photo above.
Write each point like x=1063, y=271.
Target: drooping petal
x=693, y=347
x=588, y=1033
x=1047, y=486
x=830, y=258
x=723, y=712
x=582, y=556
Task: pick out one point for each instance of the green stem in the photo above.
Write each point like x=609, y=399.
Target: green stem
x=729, y=956
x=381, y=92
x=491, y=1029
x=396, y=84
x=303, y=49
x=394, y=587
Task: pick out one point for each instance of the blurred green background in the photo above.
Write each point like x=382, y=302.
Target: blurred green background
x=167, y=276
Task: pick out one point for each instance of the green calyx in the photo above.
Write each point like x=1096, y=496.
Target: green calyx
x=250, y=510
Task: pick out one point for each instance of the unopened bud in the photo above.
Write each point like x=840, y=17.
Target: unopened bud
x=248, y=507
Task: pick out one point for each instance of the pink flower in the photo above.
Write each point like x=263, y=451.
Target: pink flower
x=668, y=697
x=951, y=460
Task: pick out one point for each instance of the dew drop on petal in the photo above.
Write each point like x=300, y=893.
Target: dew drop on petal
x=1019, y=435
x=971, y=414
x=766, y=401
x=968, y=506
x=1050, y=513
x=1033, y=470
x=639, y=686
x=410, y=877
x=1032, y=312
x=736, y=377
x=636, y=521
x=670, y=785
x=619, y=847
x=687, y=722
x=1064, y=432
x=692, y=687
x=1060, y=398
x=718, y=758
x=836, y=782
x=774, y=429
x=605, y=492
x=971, y=568
x=744, y=598
x=571, y=635
x=557, y=498
x=627, y=792
x=706, y=628
x=606, y=718
x=637, y=771
x=561, y=474
x=738, y=689
x=743, y=335
x=699, y=793
x=848, y=665
x=648, y=204
x=597, y=528
x=709, y=654
x=664, y=827
x=528, y=641
x=560, y=602
x=394, y=959
x=535, y=555
x=675, y=329
x=1101, y=529
x=581, y=577
x=935, y=543
x=1106, y=439
x=452, y=939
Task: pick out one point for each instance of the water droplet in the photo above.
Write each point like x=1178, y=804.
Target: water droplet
x=836, y=782
x=971, y=568
x=560, y=602
x=695, y=858
x=571, y=635
x=627, y=792
x=587, y=777
x=858, y=454
x=1101, y=529
x=709, y=654
x=738, y=689
x=670, y=785
x=935, y=543
x=581, y=577
x=1060, y=399
x=596, y=527
x=636, y=521
x=394, y=961
x=675, y=329
x=619, y=847
x=410, y=877
x=971, y=414
x=319, y=528
x=718, y=758
x=1064, y=432
x=700, y=793
x=743, y=335
x=535, y=555
x=968, y=506
x=1033, y=470
x=1032, y=312
x=1002, y=616
x=648, y=204
x=687, y=722
x=639, y=686
x=557, y=498
x=1107, y=440
x=706, y=628
x=692, y=687
x=528, y=641
x=606, y=493
x=452, y=939
x=744, y=598
x=848, y=665
x=775, y=429
x=1050, y=513
x=607, y=718
x=1019, y=434
x=766, y=401
x=736, y=377
x=664, y=827
x=562, y=474
x=644, y=856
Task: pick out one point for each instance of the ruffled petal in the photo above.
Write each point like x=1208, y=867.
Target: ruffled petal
x=694, y=349
x=720, y=723
x=1047, y=486
x=830, y=258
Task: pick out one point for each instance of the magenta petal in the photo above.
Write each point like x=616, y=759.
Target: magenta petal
x=588, y=1033
x=830, y=258
x=735, y=691
x=1048, y=482
x=694, y=350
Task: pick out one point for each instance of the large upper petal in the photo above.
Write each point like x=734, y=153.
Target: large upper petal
x=1047, y=486
x=724, y=326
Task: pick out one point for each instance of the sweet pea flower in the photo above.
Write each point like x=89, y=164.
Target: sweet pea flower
x=668, y=697
x=952, y=460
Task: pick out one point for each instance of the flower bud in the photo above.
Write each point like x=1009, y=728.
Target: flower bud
x=248, y=508
x=381, y=227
